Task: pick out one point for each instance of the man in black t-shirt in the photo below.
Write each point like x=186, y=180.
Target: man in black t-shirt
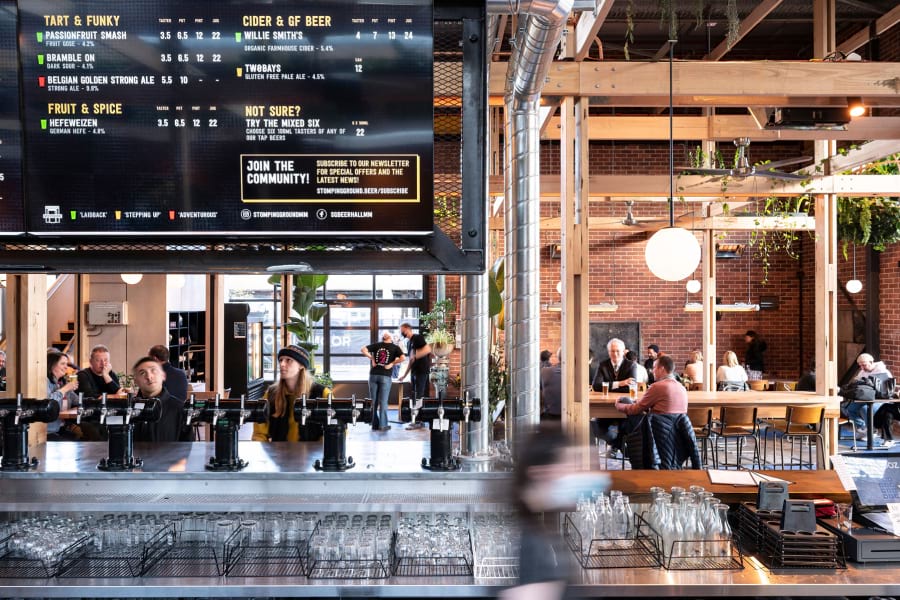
x=382, y=357
x=149, y=378
x=419, y=366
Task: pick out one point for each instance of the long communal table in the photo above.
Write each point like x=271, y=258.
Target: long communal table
x=769, y=405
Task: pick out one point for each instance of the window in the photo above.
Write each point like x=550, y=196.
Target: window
x=360, y=308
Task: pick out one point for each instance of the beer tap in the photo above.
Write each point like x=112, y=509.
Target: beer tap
x=227, y=416
x=103, y=410
x=19, y=412
x=334, y=414
x=304, y=412
x=354, y=414
x=192, y=412
x=243, y=413
x=217, y=414
x=120, y=416
x=15, y=418
x=467, y=407
x=440, y=413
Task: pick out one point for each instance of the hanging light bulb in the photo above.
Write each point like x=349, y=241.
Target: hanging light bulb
x=131, y=278
x=693, y=286
x=672, y=253
x=854, y=286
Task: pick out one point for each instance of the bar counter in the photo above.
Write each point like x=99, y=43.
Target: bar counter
x=388, y=478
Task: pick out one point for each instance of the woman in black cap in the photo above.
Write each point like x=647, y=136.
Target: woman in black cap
x=294, y=381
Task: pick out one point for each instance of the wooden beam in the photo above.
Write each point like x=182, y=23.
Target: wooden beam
x=747, y=24
x=865, y=154
x=720, y=223
x=587, y=27
x=731, y=83
x=696, y=186
x=723, y=128
x=863, y=37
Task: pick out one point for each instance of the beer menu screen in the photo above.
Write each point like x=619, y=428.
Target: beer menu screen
x=227, y=117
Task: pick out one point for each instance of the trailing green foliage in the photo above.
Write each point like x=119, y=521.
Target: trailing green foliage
x=872, y=221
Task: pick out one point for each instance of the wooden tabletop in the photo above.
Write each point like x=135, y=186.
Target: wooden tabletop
x=602, y=406
x=636, y=484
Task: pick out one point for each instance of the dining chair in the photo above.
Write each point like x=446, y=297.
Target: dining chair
x=736, y=423
x=701, y=420
x=802, y=423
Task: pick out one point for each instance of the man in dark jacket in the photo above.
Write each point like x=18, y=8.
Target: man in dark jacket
x=98, y=378
x=149, y=378
x=176, y=379
x=616, y=370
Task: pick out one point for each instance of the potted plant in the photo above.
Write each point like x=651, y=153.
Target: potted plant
x=439, y=336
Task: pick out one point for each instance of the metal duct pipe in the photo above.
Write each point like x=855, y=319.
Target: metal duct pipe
x=474, y=350
x=533, y=50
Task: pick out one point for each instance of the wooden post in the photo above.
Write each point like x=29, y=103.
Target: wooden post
x=710, y=354
x=575, y=321
x=26, y=354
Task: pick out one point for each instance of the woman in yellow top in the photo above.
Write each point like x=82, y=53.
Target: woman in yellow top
x=294, y=381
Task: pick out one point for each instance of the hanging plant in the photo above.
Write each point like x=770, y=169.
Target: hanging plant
x=734, y=23
x=870, y=221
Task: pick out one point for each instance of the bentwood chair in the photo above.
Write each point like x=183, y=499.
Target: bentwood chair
x=701, y=419
x=736, y=423
x=801, y=423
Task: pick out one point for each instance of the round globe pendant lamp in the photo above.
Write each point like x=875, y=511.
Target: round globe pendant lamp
x=672, y=253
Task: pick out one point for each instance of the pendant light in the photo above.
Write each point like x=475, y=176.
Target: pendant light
x=854, y=286
x=131, y=278
x=672, y=253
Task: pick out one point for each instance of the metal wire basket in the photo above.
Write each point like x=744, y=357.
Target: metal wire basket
x=13, y=564
x=642, y=549
x=192, y=554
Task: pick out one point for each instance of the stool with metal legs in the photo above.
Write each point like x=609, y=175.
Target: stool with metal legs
x=738, y=423
x=803, y=423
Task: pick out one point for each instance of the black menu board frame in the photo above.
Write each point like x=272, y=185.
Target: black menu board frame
x=12, y=216
x=233, y=118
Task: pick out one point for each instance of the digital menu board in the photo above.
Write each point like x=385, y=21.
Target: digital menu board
x=228, y=117
x=11, y=212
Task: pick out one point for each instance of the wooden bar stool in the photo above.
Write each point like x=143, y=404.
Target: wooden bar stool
x=736, y=423
x=803, y=423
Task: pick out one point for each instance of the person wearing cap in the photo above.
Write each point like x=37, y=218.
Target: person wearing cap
x=382, y=356
x=294, y=381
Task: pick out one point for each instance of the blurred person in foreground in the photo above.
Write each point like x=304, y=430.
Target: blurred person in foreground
x=150, y=379
x=546, y=483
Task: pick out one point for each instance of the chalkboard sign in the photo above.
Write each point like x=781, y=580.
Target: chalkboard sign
x=627, y=331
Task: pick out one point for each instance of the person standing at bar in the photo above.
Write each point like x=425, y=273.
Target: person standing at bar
x=382, y=356
x=419, y=365
x=294, y=381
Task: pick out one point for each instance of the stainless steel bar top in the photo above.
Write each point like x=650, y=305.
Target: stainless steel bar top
x=382, y=459
x=754, y=580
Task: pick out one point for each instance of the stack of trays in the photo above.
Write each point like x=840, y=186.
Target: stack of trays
x=751, y=525
x=819, y=549
x=760, y=532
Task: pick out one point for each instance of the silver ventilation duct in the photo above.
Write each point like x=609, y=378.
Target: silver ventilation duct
x=474, y=353
x=533, y=51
